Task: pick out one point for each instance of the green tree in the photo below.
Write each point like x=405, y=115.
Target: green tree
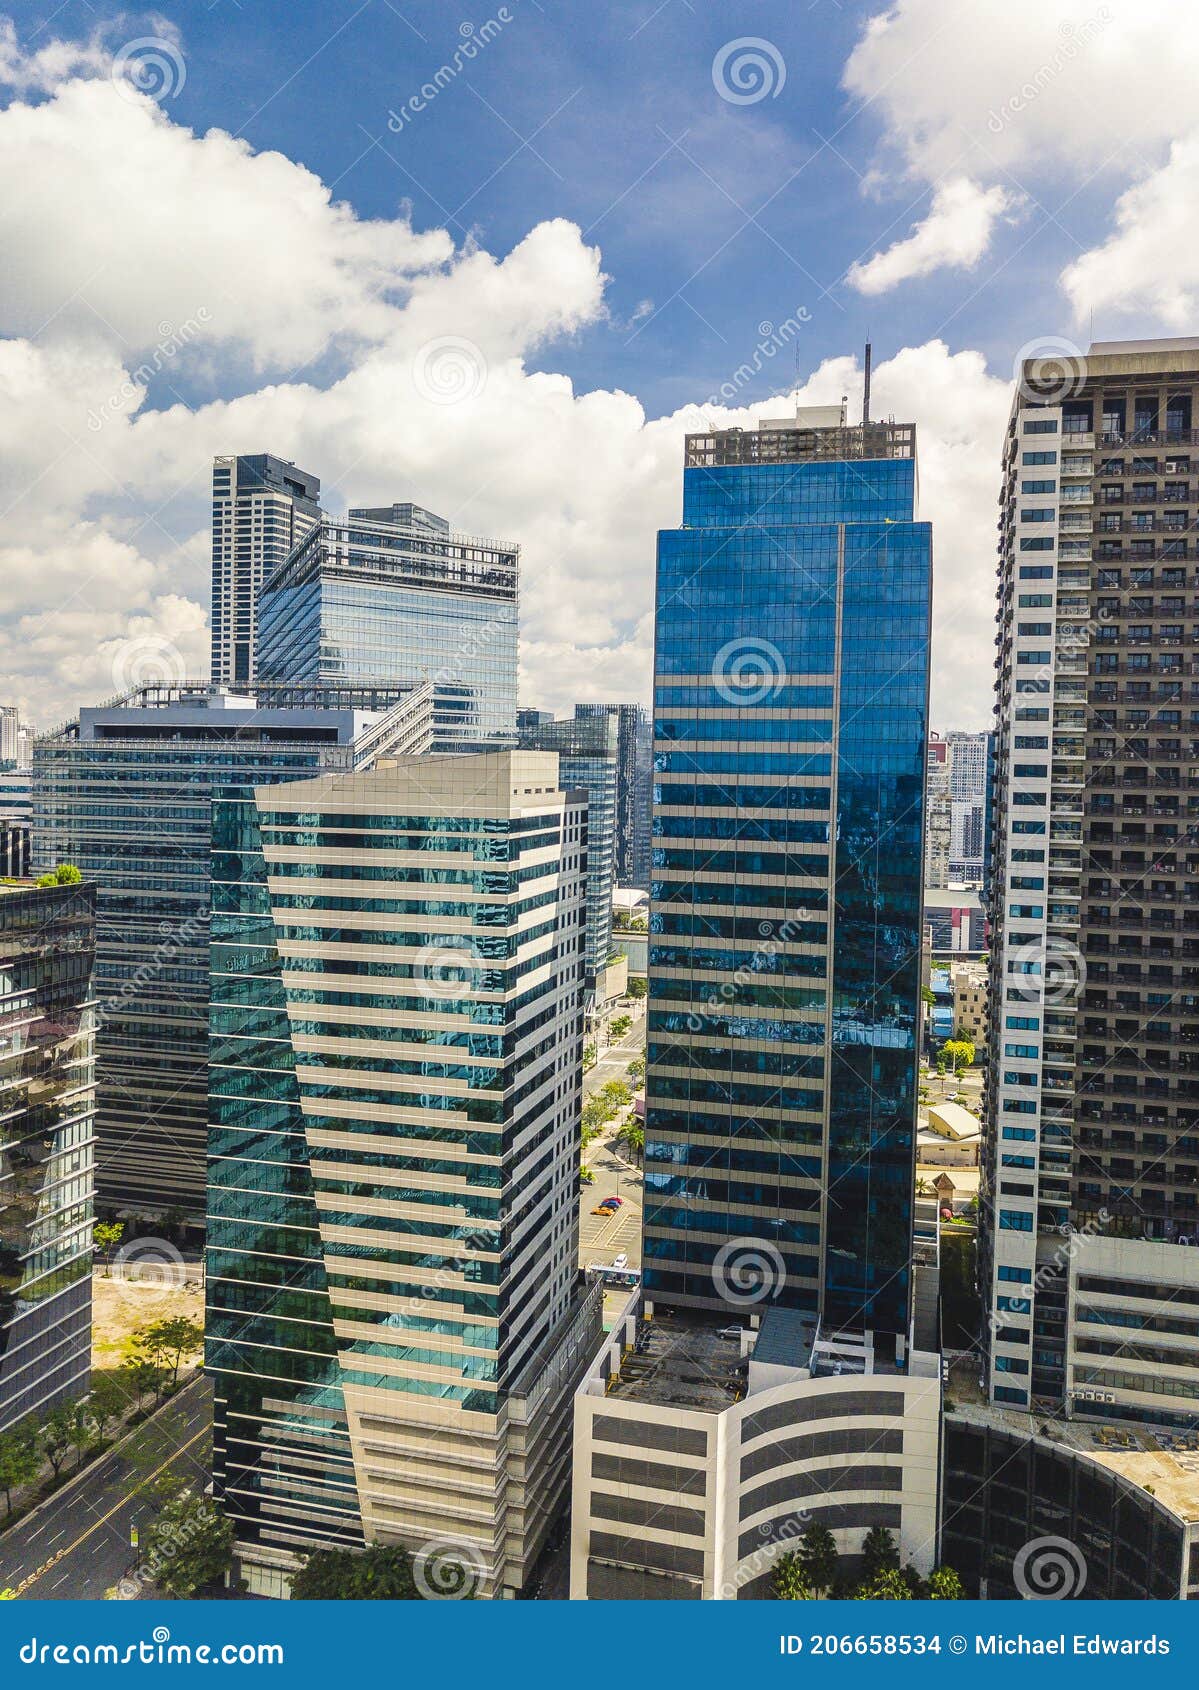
x=788, y=1580
x=66, y=874
x=190, y=1545
x=20, y=1458
x=633, y=1134
x=111, y=1395
x=944, y=1585
x=889, y=1586
x=958, y=1054
x=928, y=996
x=818, y=1558
x=82, y=1429
x=54, y=1435
x=147, y=1370
x=637, y=988
x=879, y=1553
x=621, y=1026
x=106, y=1235
x=636, y=1070
x=588, y=1056
x=382, y=1573
x=168, y=1341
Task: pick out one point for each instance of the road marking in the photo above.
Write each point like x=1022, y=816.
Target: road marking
x=115, y=1509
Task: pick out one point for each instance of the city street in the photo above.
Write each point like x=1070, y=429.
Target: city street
x=613, y=1061
x=76, y=1544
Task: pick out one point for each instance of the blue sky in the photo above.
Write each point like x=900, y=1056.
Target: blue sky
x=245, y=225
x=720, y=216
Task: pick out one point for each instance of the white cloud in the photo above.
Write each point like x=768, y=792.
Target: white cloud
x=1030, y=99
x=1151, y=261
x=128, y=225
x=955, y=234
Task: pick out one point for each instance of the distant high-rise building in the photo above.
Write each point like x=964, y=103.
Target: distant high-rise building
x=391, y=596
x=937, y=813
x=47, y=1136
x=395, y=1321
x=1089, y=1243
x=634, y=791
x=10, y=726
x=125, y=793
x=969, y=758
x=261, y=507
x=587, y=748
x=790, y=730
x=15, y=801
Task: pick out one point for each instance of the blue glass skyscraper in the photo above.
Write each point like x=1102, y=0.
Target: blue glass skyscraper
x=393, y=597
x=790, y=721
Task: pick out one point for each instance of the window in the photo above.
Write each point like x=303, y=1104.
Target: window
x=1010, y=1393
x=1014, y=1220
x=1038, y=486
x=1035, y=601
x=1032, y=460
x=1042, y=630
x=1046, y=515
x=1037, y=572
x=1014, y=1275
x=1039, y=543
x=1030, y=1052
x=1047, y=425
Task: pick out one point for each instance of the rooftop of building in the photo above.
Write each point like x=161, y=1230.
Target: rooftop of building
x=170, y=709
x=684, y=1361
x=814, y=432
x=1155, y=1456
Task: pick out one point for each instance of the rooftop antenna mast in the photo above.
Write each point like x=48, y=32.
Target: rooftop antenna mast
x=866, y=389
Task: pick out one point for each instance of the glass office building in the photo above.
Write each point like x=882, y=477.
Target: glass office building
x=47, y=1137
x=790, y=724
x=588, y=752
x=125, y=793
x=395, y=1321
x=634, y=791
x=392, y=596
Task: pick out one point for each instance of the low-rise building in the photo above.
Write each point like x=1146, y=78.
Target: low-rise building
x=970, y=1001
x=1057, y=1509
x=703, y=1449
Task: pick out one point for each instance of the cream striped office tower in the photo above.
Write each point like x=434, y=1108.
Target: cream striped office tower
x=396, y=1323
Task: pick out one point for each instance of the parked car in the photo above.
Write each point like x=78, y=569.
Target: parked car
x=621, y=1261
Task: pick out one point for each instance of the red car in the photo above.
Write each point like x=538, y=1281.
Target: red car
x=611, y=1202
